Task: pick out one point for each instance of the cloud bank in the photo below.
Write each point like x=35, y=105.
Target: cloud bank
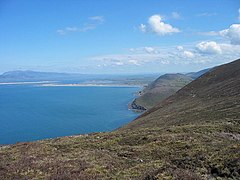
x=232, y=33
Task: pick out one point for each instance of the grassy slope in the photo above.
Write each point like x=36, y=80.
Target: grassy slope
x=194, y=134
x=161, y=88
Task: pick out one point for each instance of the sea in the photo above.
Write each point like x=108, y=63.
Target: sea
x=33, y=112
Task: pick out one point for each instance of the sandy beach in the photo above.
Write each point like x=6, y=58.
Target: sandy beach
x=87, y=85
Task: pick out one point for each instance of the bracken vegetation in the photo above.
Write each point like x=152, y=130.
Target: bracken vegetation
x=180, y=152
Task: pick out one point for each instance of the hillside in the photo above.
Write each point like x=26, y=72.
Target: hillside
x=193, y=134
x=212, y=97
x=161, y=88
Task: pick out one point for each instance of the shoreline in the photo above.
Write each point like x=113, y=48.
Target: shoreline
x=135, y=107
x=52, y=84
x=87, y=85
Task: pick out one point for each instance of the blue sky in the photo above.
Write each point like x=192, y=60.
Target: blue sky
x=111, y=36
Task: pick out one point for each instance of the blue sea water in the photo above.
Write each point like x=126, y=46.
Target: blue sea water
x=30, y=112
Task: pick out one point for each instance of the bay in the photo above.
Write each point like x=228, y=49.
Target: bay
x=29, y=112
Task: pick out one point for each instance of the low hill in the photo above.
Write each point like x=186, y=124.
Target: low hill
x=161, y=88
x=193, y=134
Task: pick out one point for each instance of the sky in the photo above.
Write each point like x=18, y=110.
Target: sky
x=118, y=36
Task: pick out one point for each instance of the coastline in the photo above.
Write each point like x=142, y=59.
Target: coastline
x=135, y=107
x=55, y=84
x=87, y=85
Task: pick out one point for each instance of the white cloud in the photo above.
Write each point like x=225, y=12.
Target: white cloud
x=150, y=50
x=185, y=53
x=143, y=28
x=232, y=33
x=207, y=54
x=131, y=49
x=209, y=47
x=97, y=18
x=61, y=32
x=119, y=63
x=180, y=48
x=67, y=30
x=176, y=15
x=72, y=29
x=208, y=14
x=160, y=27
x=92, y=24
x=146, y=49
x=135, y=62
x=164, y=61
x=138, y=58
x=209, y=33
x=229, y=49
x=156, y=25
x=188, y=54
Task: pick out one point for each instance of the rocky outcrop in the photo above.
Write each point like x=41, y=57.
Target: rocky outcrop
x=134, y=106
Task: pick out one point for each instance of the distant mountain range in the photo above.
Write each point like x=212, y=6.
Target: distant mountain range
x=34, y=75
x=163, y=87
x=30, y=76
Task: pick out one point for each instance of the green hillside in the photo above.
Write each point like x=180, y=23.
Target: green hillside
x=161, y=88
